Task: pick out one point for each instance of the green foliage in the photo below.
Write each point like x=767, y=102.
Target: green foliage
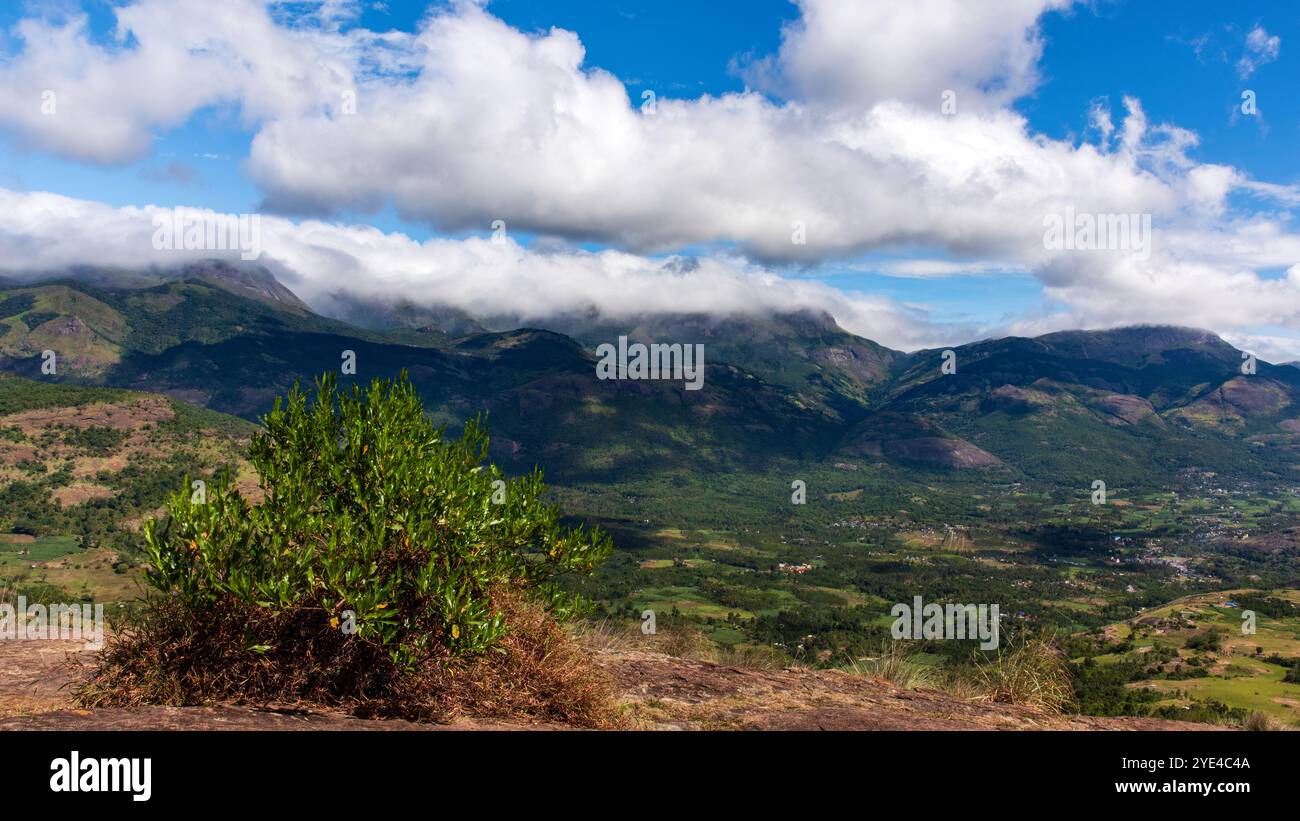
x=1270, y=606
x=1209, y=640
x=189, y=418
x=16, y=304
x=35, y=319
x=368, y=509
x=98, y=440
x=18, y=394
x=1100, y=688
x=1206, y=712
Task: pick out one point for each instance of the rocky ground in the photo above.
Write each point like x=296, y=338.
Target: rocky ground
x=661, y=692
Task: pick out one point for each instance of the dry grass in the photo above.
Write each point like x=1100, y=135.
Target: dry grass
x=536, y=674
x=691, y=643
x=1265, y=723
x=684, y=642
x=752, y=658
x=894, y=662
x=679, y=641
x=605, y=635
x=1031, y=673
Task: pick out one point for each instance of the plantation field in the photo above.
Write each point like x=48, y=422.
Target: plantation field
x=1236, y=670
x=44, y=549
x=1259, y=687
x=819, y=581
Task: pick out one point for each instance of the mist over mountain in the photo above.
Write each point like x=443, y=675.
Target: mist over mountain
x=791, y=386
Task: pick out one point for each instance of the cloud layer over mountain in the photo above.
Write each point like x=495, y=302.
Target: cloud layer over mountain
x=843, y=148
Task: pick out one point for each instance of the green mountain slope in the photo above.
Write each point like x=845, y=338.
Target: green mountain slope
x=1136, y=405
x=80, y=468
x=1141, y=403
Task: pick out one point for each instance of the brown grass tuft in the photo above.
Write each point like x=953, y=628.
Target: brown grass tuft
x=1264, y=723
x=895, y=663
x=536, y=674
x=1032, y=673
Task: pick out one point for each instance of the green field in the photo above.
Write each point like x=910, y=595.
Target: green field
x=44, y=549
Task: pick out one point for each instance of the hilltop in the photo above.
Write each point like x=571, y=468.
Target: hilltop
x=659, y=692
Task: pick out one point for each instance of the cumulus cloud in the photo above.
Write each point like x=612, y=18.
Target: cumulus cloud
x=841, y=149
x=67, y=94
x=854, y=55
x=469, y=120
x=498, y=124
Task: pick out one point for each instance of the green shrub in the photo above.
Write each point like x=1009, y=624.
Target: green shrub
x=1209, y=641
x=382, y=558
x=98, y=440
x=16, y=304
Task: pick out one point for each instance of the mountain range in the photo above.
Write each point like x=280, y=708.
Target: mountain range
x=1142, y=404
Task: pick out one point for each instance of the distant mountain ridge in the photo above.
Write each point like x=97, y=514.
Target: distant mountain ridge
x=1058, y=407
x=245, y=279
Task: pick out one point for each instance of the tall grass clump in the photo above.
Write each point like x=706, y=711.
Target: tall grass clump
x=388, y=570
x=896, y=662
x=1030, y=671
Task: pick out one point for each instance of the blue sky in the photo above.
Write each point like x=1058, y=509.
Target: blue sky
x=679, y=48
x=1187, y=63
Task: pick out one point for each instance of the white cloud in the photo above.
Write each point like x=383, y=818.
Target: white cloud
x=855, y=54
x=1261, y=48
x=320, y=261
x=1274, y=348
x=496, y=124
x=469, y=120
x=167, y=59
x=936, y=268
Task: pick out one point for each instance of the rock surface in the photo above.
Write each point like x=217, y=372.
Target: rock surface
x=660, y=693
